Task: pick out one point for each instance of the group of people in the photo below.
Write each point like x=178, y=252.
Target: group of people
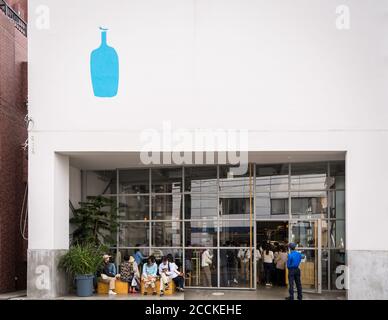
x=271, y=266
x=272, y=262
x=275, y=260
x=133, y=271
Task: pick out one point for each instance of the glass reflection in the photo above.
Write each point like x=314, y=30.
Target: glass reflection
x=134, y=234
x=200, y=206
x=167, y=180
x=272, y=178
x=201, y=233
x=309, y=176
x=134, y=181
x=134, y=207
x=201, y=179
x=166, y=234
x=166, y=207
x=311, y=203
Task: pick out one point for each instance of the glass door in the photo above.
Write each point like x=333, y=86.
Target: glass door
x=307, y=234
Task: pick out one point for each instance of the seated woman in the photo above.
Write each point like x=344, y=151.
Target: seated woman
x=175, y=274
x=149, y=274
x=109, y=273
x=129, y=272
x=165, y=275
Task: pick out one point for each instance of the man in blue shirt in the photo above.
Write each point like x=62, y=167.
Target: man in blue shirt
x=293, y=262
x=139, y=257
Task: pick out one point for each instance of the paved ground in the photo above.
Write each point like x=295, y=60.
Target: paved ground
x=12, y=295
x=264, y=293
x=177, y=296
x=273, y=293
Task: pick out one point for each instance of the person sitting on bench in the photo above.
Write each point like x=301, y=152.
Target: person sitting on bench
x=129, y=272
x=175, y=274
x=165, y=275
x=109, y=274
x=149, y=274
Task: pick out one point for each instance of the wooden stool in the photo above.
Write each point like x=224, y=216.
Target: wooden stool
x=102, y=287
x=171, y=288
x=149, y=290
x=121, y=287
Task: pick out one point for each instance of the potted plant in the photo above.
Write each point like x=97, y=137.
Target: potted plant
x=82, y=263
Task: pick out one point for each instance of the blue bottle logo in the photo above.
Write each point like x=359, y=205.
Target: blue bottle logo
x=104, y=69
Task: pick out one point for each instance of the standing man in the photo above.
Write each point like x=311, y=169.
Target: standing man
x=293, y=262
x=206, y=262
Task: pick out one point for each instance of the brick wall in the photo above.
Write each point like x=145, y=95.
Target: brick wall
x=13, y=162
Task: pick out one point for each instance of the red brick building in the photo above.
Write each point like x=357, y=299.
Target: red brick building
x=13, y=134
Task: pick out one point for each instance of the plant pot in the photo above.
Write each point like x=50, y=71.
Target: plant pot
x=84, y=285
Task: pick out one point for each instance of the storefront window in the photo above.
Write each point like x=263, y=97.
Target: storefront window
x=200, y=206
x=201, y=234
x=337, y=234
x=304, y=234
x=309, y=203
x=337, y=174
x=272, y=205
x=174, y=210
x=201, y=179
x=235, y=208
x=166, y=234
x=234, y=232
x=309, y=176
x=134, y=181
x=235, y=267
x=234, y=185
x=337, y=204
x=166, y=207
x=134, y=234
x=134, y=207
x=167, y=180
x=272, y=178
x=175, y=253
x=198, y=275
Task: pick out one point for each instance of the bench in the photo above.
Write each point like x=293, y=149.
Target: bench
x=170, y=291
x=121, y=287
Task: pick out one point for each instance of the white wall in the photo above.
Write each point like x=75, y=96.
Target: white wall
x=280, y=69
x=256, y=64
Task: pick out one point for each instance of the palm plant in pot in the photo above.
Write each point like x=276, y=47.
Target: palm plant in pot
x=82, y=263
x=95, y=223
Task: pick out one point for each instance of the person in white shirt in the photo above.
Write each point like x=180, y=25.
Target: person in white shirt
x=268, y=265
x=206, y=261
x=165, y=275
x=175, y=274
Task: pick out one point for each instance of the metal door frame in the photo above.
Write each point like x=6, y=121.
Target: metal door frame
x=317, y=248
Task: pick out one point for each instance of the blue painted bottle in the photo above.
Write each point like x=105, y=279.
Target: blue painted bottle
x=104, y=68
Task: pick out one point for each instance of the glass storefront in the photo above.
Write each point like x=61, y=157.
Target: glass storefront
x=185, y=210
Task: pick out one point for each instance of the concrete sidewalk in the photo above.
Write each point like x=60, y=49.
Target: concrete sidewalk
x=103, y=297
x=13, y=295
x=273, y=293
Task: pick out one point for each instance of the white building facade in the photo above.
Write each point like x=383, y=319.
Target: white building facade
x=301, y=82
